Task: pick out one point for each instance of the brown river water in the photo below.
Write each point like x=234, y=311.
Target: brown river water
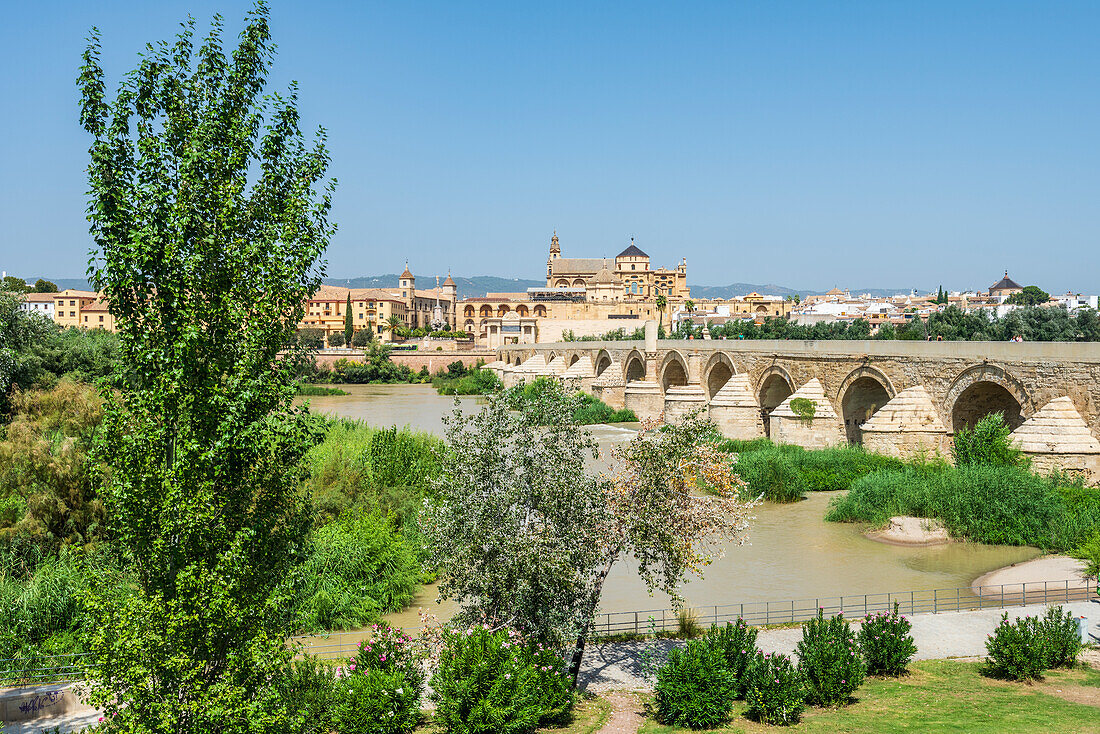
x=792, y=553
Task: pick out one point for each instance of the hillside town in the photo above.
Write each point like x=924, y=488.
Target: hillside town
x=583, y=298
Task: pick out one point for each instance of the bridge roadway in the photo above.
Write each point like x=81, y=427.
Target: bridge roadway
x=963, y=380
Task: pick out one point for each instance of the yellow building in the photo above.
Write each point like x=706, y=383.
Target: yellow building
x=371, y=308
x=630, y=278
x=82, y=310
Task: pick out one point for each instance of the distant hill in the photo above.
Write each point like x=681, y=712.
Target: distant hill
x=474, y=287
x=479, y=285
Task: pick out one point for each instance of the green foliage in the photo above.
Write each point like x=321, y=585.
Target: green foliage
x=782, y=472
x=886, y=643
x=1061, y=636
x=804, y=408
x=349, y=325
x=735, y=644
x=336, y=339
x=376, y=701
x=477, y=381
x=1031, y=295
x=45, y=286
x=363, y=337
x=988, y=504
x=13, y=284
x=311, y=338
x=360, y=567
x=988, y=442
x=1017, y=649
x=775, y=691
x=694, y=687
x=1089, y=552
x=307, y=687
x=829, y=660
x=772, y=474
x=19, y=333
x=492, y=681
x=49, y=487
x=528, y=397
x=208, y=224
x=319, y=390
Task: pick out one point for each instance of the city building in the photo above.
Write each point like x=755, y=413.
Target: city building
x=1004, y=288
x=81, y=310
x=39, y=303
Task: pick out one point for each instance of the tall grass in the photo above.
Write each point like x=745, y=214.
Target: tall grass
x=386, y=469
x=477, y=381
x=587, y=409
x=989, y=504
x=782, y=473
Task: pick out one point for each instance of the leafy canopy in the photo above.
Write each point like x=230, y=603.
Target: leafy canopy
x=204, y=207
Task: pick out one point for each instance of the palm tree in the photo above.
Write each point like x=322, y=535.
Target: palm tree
x=393, y=323
x=662, y=302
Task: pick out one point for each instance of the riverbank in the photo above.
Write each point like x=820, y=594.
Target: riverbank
x=1055, y=571
x=911, y=531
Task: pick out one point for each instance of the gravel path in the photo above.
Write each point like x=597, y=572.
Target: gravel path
x=945, y=635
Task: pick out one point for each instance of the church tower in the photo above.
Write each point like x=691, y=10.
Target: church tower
x=408, y=292
x=555, y=253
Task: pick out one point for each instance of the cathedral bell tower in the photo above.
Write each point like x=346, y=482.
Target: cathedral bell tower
x=555, y=253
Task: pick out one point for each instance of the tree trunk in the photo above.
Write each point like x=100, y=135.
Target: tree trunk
x=578, y=651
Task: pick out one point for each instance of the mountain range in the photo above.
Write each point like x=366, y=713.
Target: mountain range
x=478, y=285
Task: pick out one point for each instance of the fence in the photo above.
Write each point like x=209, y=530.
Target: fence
x=57, y=668
x=35, y=670
x=931, y=601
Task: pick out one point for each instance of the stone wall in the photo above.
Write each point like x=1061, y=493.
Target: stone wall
x=433, y=360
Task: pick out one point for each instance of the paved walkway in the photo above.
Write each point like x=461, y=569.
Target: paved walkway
x=945, y=635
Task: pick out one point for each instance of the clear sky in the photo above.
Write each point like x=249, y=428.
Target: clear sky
x=806, y=144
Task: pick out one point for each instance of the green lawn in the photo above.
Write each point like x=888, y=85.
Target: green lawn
x=951, y=696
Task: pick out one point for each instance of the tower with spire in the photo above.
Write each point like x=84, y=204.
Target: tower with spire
x=408, y=290
x=555, y=253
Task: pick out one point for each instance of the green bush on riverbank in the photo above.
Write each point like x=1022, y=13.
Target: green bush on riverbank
x=988, y=504
x=782, y=473
x=587, y=410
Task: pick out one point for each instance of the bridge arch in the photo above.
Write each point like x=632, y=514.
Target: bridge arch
x=774, y=387
x=573, y=359
x=674, y=370
x=719, y=369
x=984, y=389
x=634, y=367
x=603, y=361
x=861, y=394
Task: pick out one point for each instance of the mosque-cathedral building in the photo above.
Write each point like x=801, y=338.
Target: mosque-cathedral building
x=585, y=296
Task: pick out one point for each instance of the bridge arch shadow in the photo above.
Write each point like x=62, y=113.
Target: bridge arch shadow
x=674, y=372
x=774, y=387
x=984, y=389
x=635, y=367
x=862, y=393
x=720, y=368
x=603, y=361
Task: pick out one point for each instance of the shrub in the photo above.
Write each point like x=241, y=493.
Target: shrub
x=387, y=649
x=493, y=681
x=376, y=702
x=775, y=691
x=886, y=643
x=772, y=474
x=988, y=442
x=687, y=623
x=336, y=339
x=829, y=470
x=362, y=337
x=736, y=645
x=694, y=688
x=829, y=660
x=307, y=688
x=1061, y=638
x=1017, y=649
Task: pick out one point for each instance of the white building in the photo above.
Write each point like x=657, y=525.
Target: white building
x=39, y=303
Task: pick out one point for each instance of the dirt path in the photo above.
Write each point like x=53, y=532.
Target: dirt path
x=626, y=713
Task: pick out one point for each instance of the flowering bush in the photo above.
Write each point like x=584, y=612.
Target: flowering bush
x=694, y=688
x=387, y=649
x=1062, y=638
x=886, y=643
x=1017, y=650
x=494, y=681
x=829, y=659
x=775, y=691
x=376, y=702
x=736, y=645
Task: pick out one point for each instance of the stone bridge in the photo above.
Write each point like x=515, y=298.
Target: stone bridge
x=899, y=397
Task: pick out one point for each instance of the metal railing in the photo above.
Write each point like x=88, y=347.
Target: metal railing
x=930, y=601
x=33, y=670
x=40, y=669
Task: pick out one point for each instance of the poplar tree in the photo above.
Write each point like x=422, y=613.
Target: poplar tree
x=209, y=210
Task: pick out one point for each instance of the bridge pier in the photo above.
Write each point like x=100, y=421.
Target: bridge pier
x=821, y=430
x=906, y=426
x=1056, y=438
x=682, y=400
x=735, y=411
x=610, y=386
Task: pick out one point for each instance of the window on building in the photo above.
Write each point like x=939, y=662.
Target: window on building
x=72, y=303
x=633, y=266
x=72, y=314
x=101, y=319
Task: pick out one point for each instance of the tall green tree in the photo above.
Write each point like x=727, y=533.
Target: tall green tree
x=14, y=285
x=349, y=326
x=1031, y=295
x=45, y=286
x=209, y=209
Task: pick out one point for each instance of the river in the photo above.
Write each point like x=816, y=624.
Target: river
x=792, y=553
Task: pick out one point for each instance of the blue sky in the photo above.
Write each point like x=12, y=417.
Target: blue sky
x=807, y=144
